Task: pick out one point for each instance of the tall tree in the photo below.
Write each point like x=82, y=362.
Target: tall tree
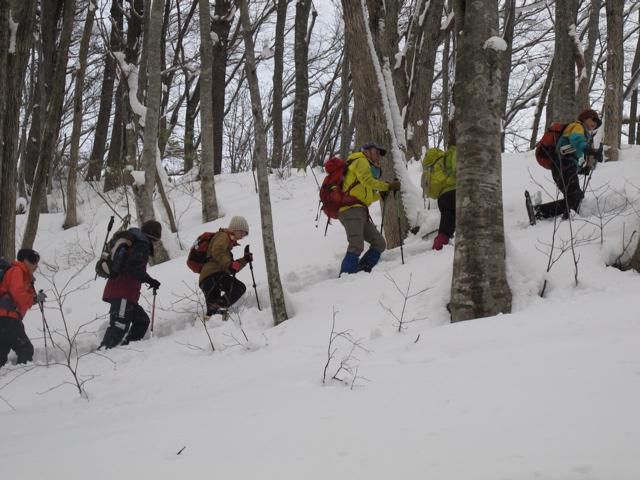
x=276, y=293
x=614, y=78
x=220, y=26
x=71, y=219
x=505, y=60
x=15, y=61
x=301, y=100
x=150, y=149
x=372, y=84
x=424, y=36
x=207, y=184
x=278, y=68
x=584, y=61
x=51, y=126
x=96, y=158
x=562, y=104
x=479, y=285
x=633, y=110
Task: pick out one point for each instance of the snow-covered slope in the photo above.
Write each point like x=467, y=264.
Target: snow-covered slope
x=550, y=391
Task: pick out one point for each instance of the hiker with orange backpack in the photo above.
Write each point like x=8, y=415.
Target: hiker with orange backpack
x=574, y=154
x=217, y=278
x=17, y=295
x=362, y=182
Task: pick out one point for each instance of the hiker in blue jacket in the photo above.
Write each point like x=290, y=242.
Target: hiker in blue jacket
x=575, y=152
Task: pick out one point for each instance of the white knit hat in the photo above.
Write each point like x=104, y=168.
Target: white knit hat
x=239, y=224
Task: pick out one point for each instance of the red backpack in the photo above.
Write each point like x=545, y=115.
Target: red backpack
x=331, y=195
x=198, y=253
x=546, y=153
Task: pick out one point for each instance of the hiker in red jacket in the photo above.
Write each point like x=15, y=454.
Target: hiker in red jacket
x=17, y=295
x=123, y=291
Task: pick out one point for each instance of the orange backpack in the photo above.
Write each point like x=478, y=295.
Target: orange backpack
x=546, y=153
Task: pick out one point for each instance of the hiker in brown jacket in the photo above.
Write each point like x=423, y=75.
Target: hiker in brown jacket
x=218, y=279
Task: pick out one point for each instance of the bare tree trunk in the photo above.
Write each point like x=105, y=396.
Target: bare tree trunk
x=614, y=79
x=278, y=68
x=207, y=182
x=479, y=285
x=276, y=293
x=96, y=158
x=150, y=150
x=542, y=101
x=633, y=110
x=220, y=27
x=301, y=100
x=346, y=131
x=5, y=15
x=505, y=62
x=71, y=219
x=370, y=95
x=190, y=152
x=584, y=75
x=563, y=89
x=425, y=36
x=51, y=126
x=113, y=176
x=23, y=14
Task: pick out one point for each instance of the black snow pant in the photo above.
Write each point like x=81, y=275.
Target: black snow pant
x=125, y=316
x=567, y=180
x=222, y=289
x=13, y=337
x=447, y=207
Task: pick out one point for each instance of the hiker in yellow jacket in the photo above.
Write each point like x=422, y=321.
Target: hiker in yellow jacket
x=439, y=183
x=362, y=182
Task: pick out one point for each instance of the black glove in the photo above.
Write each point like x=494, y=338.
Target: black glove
x=248, y=256
x=153, y=283
x=40, y=297
x=394, y=186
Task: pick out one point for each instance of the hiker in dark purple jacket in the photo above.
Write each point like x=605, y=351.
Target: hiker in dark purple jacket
x=123, y=291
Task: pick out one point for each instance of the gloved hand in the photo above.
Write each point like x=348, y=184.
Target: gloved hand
x=394, y=185
x=153, y=283
x=40, y=297
x=235, y=266
x=248, y=256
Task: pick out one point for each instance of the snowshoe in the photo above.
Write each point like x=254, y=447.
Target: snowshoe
x=530, y=210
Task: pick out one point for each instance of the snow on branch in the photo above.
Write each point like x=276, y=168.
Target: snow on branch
x=130, y=71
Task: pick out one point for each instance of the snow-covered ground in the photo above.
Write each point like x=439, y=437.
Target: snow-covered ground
x=550, y=391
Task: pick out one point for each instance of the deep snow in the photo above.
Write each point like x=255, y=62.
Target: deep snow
x=550, y=391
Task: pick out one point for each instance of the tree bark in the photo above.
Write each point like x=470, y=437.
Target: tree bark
x=563, y=89
x=51, y=126
x=207, y=182
x=71, y=219
x=96, y=158
x=425, y=36
x=584, y=76
x=479, y=285
x=150, y=150
x=370, y=95
x=190, y=151
x=220, y=27
x=633, y=110
x=276, y=293
x=614, y=79
x=505, y=63
x=301, y=100
x=278, y=69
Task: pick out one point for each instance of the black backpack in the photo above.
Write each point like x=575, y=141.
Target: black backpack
x=4, y=266
x=114, y=254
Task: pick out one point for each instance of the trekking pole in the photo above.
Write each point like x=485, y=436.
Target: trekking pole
x=384, y=207
x=153, y=310
x=395, y=197
x=318, y=213
x=253, y=278
x=106, y=237
x=45, y=329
